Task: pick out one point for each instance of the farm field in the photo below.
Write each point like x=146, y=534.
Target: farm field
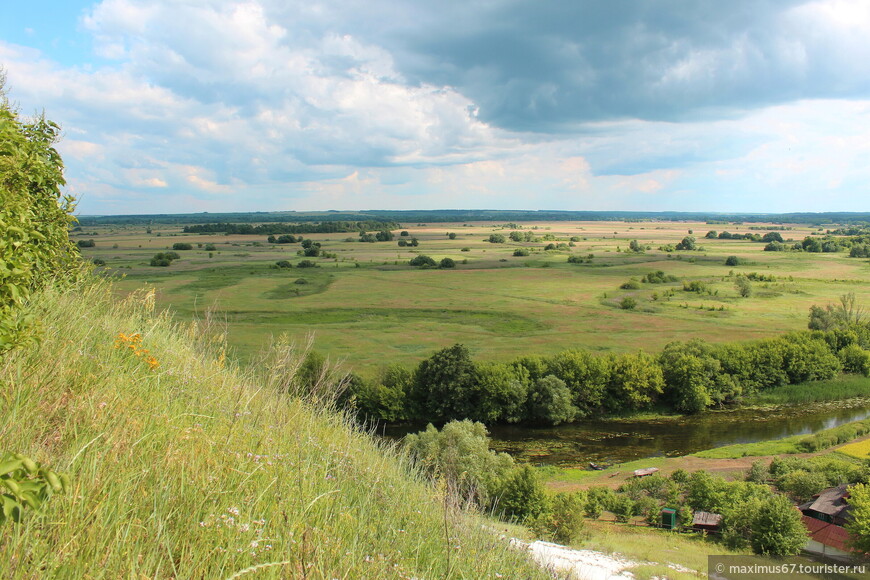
x=367, y=306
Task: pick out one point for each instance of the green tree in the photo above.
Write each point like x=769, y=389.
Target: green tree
x=635, y=246
x=516, y=236
x=447, y=263
x=777, y=529
x=444, y=386
x=635, y=382
x=550, y=402
x=859, y=526
x=743, y=286
x=35, y=249
x=687, y=243
x=522, y=497
x=500, y=393
x=585, y=375
x=496, y=239
x=460, y=454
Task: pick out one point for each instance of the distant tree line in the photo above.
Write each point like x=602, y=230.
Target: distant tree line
x=327, y=227
x=686, y=376
x=460, y=216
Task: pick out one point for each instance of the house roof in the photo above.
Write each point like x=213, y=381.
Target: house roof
x=827, y=534
x=706, y=519
x=831, y=501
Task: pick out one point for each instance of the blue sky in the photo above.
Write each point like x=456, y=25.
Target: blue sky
x=206, y=105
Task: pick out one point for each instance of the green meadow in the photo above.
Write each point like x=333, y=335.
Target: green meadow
x=366, y=306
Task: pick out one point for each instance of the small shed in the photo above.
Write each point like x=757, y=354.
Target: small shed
x=706, y=521
x=645, y=471
x=669, y=518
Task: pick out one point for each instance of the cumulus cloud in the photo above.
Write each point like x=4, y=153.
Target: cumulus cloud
x=264, y=104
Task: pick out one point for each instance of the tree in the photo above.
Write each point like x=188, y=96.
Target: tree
x=859, y=526
x=550, y=402
x=422, y=261
x=712, y=234
x=447, y=263
x=451, y=236
x=743, y=286
x=772, y=237
x=384, y=236
x=635, y=381
x=496, y=239
x=444, y=386
x=460, y=454
x=501, y=392
x=585, y=375
x=522, y=497
x=35, y=249
x=777, y=529
x=635, y=246
x=687, y=243
x=732, y=261
x=516, y=236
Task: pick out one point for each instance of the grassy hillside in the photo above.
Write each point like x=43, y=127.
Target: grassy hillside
x=185, y=467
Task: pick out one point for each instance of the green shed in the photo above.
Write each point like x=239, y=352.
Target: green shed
x=669, y=518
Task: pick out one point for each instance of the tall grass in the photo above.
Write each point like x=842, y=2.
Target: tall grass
x=198, y=469
x=838, y=389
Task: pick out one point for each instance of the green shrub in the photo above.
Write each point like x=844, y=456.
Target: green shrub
x=422, y=261
x=306, y=264
x=447, y=263
x=630, y=285
x=35, y=249
x=182, y=246
x=628, y=303
x=522, y=252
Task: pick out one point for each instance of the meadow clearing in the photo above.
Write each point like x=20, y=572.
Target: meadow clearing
x=367, y=306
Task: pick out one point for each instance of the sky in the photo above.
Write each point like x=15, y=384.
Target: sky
x=175, y=106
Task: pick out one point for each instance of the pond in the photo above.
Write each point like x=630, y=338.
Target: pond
x=620, y=440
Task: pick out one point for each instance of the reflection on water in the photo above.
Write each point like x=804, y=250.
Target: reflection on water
x=625, y=440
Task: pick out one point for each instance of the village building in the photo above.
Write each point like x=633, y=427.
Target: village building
x=824, y=517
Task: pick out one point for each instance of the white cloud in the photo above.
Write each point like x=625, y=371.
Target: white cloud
x=260, y=104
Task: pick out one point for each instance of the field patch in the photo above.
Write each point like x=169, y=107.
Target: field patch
x=859, y=449
x=489, y=321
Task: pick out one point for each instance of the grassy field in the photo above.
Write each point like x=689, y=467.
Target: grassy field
x=368, y=307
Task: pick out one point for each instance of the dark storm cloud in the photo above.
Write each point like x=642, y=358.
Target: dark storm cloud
x=539, y=66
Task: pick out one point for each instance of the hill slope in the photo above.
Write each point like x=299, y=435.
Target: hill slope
x=185, y=467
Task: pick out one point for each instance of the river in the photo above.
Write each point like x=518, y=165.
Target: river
x=619, y=440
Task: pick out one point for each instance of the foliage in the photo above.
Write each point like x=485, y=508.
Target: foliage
x=687, y=243
x=628, y=303
x=550, y=402
x=732, y=261
x=496, y=239
x=26, y=484
x=859, y=526
x=777, y=529
x=501, y=392
x=444, y=386
x=460, y=454
x=86, y=243
x=35, y=249
x=447, y=263
x=182, y=246
x=636, y=247
x=743, y=286
x=522, y=497
x=521, y=252
x=422, y=261
x=566, y=522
